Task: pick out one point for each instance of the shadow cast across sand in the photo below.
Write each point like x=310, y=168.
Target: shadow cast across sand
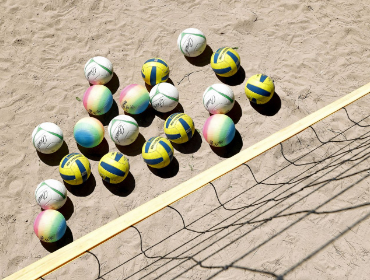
x=113, y=84
x=133, y=149
x=236, y=79
x=203, y=59
x=190, y=147
x=145, y=118
x=97, y=152
x=67, y=209
x=123, y=189
x=164, y=116
x=108, y=116
x=65, y=240
x=235, y=113
x=83, y=190
x=231, y=149
x=168, y=172
x=271, y=108
x=54, y=158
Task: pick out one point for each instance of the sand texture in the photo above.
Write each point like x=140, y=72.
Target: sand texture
x=299, y=211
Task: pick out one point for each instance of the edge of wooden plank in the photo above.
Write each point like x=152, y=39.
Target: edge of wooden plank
x=93, y=239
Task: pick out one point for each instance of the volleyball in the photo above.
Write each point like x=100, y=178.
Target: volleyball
x=179, y=128
x=134, y=99
x=157, y=152
x=51, y=194
x=114, y=167
x=225, y=62
x=98, y=70
x=88, y=132
x=155, y=71
x=50, y=226
x=219, y=130
x=47, y=138
x=259, y=89
x=164, y=97
x=123, y=130
x=75, y=169
x=191, y=42
x=97, y=100
x=218, y=99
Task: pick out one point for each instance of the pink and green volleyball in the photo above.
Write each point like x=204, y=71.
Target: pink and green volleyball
x=134, y=99
x=88, y=132
x=50, y=226
x=98, y=100
x=219, y=130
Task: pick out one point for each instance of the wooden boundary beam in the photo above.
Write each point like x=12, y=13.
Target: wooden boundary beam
x=77, y=248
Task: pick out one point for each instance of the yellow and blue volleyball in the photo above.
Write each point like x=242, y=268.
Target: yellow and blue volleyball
x=75, y=169
x=157, y=152
x=225, y=62
x=114, y=167
x=155, y=71
x=179, y=128
x=259, y=89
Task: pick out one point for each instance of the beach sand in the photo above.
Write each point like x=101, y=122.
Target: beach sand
x=316, y=52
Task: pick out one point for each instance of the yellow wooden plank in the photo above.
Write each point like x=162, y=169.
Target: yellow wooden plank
x=64, y=255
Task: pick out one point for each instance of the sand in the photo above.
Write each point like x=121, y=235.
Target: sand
x=316, y=52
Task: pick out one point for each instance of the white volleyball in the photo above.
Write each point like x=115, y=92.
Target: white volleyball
x=123, y=130
x=192, y=42
x=47, y=138
x=164, y=97
x=98, y=70
x=218, y=99
x=51, y=194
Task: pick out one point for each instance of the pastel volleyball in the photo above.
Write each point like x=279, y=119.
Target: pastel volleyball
x=192, y=42
x=157, y=152
x=51, y=194
x=50, y=226
x=225, y=62
x=155, y=71
x=88, y=132
x=164, y=97
x=75, y=169
x=219, y=130
x=114, y=167
x=47, y=138
x=123, y=130
x=218, y=99
x=259, y=89
x=98, y=70
x=179, y=128
x=98, y=100
x=134, y=99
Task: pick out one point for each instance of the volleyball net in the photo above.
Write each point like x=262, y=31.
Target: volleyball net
x=269, y=209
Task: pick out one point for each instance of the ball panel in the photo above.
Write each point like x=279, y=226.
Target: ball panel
x=219, y=130
x=157, y=152
x=134, y=99
x=75, y=170
x=98, y=100
x=98, y=70
x=51, y=194
x=47, y=138
x=88, y=132
x=259, y=89
x=164, y=97
x=113, y=167
x=225, y=62
x=191, y=42
x=50, y=226
x=154, y=71
x=123, y=130
x=218, y=99
x=179, y=128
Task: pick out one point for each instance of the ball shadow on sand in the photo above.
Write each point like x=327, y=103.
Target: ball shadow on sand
x=85, y=189
x=164, y=116
x=67, y=209
x=145, y=118
x=236, y=79
x=271, y=108
x=232, y=149
x=168, y=172
x=203, y=59
x=113, y=84
x=95, y=153
x=122, y=189
x=190, y=147
x=54, y=158
x=108, y=116
x=65, y=240
x=133, y=149
x=235, y=113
